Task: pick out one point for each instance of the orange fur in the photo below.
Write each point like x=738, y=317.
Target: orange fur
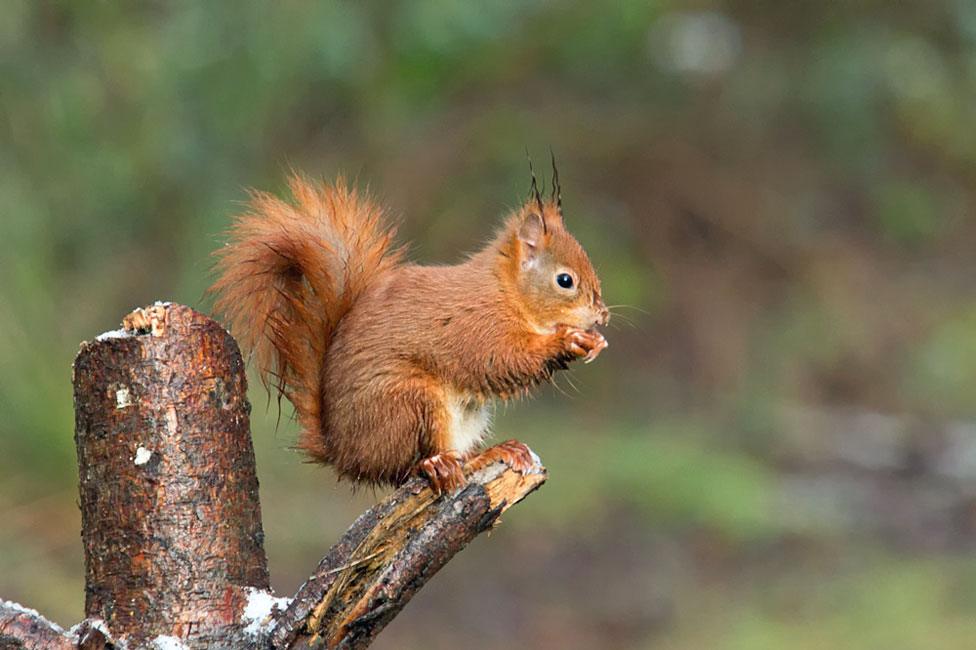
x=385, y=361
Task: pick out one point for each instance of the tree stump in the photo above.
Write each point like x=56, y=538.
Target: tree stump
x=171, y=522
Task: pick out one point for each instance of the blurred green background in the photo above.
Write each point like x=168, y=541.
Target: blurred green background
x=778, y=450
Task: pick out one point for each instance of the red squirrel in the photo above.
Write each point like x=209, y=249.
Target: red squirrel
x=392, y=366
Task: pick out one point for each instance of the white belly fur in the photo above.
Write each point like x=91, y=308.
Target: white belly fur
x=469, y=421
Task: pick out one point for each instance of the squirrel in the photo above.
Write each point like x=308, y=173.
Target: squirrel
x=391, y=366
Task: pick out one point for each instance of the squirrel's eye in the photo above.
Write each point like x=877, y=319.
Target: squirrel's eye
x=565, y=280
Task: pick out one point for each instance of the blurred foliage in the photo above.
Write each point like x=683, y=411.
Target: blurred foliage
x=779, y=195
x=887, y=603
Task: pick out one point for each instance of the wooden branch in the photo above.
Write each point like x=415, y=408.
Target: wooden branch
x=391, y=551
x=171, y=522
x=24, y=628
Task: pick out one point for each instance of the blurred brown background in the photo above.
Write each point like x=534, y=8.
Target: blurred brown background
x=778, y=450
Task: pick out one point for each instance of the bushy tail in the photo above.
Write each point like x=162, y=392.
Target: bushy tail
x=289, y=273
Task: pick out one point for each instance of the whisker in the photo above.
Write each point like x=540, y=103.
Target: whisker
x=621, y=318
x=634, y=307
x=570, y=382
x=619, y=325
x=552, y=380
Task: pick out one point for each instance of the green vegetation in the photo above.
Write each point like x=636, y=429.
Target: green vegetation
x=775, y=451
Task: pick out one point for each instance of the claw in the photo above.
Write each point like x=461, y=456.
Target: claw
x=601, y=345
x=444, y=471
x=511, y=452
x=586, y=344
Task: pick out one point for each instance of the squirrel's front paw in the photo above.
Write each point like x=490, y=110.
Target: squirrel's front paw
x=584, y=343
x=445, y=471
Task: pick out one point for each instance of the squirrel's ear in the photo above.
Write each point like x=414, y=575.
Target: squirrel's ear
x=532, y=230
x=531, y=236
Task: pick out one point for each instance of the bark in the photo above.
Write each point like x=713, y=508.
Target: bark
x=171, y=522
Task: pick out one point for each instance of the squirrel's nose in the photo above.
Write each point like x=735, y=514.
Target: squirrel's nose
x=603, y=312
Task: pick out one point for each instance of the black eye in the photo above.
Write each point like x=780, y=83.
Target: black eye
x=565, y=280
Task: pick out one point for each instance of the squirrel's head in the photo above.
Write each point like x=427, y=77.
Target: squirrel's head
x=555, y=280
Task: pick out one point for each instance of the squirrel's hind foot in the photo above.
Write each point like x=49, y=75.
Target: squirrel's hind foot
x=445, y=471
x=511, y=452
